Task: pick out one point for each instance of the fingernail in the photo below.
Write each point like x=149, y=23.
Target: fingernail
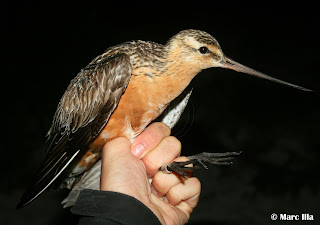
x=137, y=150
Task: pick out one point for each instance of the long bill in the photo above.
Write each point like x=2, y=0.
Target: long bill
x=233, y=65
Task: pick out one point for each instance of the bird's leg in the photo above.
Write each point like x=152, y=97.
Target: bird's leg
x=184, y=169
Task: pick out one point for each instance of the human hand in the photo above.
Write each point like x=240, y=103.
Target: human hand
x=170, y=197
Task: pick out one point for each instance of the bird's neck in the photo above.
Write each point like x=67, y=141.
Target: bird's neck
x=178, y=72
x=169, y=72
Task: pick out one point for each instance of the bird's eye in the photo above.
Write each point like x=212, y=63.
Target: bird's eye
x=203, y=50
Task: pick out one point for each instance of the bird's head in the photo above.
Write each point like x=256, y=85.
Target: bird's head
x=200, y=50
x=196, y=48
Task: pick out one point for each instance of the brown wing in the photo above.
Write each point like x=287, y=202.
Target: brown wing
x=83, y=111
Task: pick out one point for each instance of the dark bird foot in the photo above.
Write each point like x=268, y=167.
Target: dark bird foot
x=184, y=168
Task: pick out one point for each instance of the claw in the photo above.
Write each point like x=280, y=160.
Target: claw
x=183, y=169
x=214, y=158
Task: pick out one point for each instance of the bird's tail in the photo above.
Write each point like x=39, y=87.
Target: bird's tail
x=50, y=170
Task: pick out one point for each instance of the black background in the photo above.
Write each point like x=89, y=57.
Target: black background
x=44, y=46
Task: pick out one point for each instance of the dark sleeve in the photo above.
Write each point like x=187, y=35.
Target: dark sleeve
x=111, y=208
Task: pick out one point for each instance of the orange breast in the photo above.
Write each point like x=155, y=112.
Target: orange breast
x=143, y=101
x=138, y=106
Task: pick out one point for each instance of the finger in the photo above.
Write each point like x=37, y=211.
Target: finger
x=187, y=192
x=114, y=149
x=163, y=182
x=123, y=172
x=115, y=155
x=188, y=205
x=168, y=150
x=149, y=139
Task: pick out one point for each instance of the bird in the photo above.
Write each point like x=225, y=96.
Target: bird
x=118, y=94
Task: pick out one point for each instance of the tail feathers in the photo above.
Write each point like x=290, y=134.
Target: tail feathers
x=49, y=172
x=89, y=180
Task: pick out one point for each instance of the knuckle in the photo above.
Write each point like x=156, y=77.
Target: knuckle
x=150, y=164
x=195, y=184
x=154, y=134
x=159, y=183
x=175, y=196
x=162, y=128
x=151, y=139
x=173, y=144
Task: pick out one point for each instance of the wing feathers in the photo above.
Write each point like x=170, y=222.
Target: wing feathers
x=82, y=112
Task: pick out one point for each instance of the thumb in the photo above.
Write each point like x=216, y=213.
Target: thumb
x=115, y=162
x=115, y=149
x=123, y=172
